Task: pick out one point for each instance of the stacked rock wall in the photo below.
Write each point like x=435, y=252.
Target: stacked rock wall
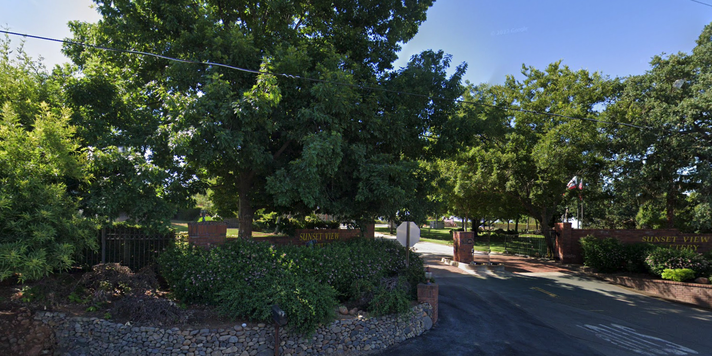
x=21, y=334
x=92, y=336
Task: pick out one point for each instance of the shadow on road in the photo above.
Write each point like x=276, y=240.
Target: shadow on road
x=535, y=308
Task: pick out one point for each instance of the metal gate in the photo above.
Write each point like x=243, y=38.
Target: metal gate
x=131, y=247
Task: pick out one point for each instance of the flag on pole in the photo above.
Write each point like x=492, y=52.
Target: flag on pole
x=572, y=183
x=581, y=184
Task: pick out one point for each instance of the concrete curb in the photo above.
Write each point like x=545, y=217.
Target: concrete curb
x=474, y=267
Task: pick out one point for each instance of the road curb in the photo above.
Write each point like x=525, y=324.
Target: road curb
x=474, y=267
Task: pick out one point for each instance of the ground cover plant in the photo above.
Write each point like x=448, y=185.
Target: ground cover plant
x=245, y=277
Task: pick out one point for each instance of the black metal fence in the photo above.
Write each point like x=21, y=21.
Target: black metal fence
x=128, y=246
x=530, y=246
x=514, y=244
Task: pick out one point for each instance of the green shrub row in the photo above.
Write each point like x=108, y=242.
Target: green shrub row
x=661, y=259
x=244, y=277
x=610, y=255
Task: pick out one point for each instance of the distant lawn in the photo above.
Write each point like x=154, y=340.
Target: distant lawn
x=234, y=233
x=425, y=233
x=526, y=243
x=179, y=226
x=440, y=242
x=182, y=226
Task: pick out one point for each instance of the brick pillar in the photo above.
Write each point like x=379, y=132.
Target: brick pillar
x=463, y=242
x=207, y=234
x=429, y=293
x=566, y=250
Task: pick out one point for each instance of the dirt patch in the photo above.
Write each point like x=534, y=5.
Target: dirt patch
x=109, y=292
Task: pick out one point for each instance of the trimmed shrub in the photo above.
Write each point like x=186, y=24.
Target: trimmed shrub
x=339, y=264
x=195, y=274
x=678, y=275
x=605, y=255
x=664, y=258
x=306, y=302
x=245, y=277
x=635, y=255
x=390, y=297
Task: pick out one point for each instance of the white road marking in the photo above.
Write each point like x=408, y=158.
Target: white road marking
x=642, y=344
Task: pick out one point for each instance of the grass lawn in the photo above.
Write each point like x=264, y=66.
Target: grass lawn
x=181, y=226
x=525, y=244
x=441, y=242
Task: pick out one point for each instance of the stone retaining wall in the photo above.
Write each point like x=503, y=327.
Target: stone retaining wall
x=22, y=334
x=92, y=336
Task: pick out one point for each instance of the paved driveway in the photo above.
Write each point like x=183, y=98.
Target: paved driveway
x=540, y=309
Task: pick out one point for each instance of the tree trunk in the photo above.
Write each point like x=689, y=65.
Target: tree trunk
x=670, y=205
x=516, y=225
x=548, y=239
x=245, y=213
x=464, y=224
x=544, y=217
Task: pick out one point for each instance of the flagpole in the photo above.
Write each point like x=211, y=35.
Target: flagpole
x=581, y=198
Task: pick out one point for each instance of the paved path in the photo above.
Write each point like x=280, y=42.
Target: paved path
x=536, y=308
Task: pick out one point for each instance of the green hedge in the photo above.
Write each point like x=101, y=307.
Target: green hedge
x=605, y=255
x=663, y=258
x=245, y=277
x=610, y=255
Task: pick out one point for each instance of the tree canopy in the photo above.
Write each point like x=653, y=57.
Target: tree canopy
x=330, y=135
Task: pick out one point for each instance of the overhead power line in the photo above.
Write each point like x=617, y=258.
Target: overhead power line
x=703, y=3
x=293, y=76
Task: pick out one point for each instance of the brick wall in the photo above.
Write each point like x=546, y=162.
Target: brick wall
x=207, y=234
x=568, y=247
x=693, y=293
x=214, y=233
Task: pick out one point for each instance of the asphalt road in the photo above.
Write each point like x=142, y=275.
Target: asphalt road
x=551, y=312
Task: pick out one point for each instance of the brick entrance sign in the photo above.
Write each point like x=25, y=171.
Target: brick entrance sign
x=320, y=236
x=568, y=247
x=213, y=233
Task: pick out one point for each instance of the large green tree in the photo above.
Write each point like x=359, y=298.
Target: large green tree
x=135, y=173
x=670, y=149
x=467, y=183
x=542, y=140
x=332, y=136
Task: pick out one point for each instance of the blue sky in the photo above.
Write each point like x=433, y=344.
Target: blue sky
x=495, y=37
